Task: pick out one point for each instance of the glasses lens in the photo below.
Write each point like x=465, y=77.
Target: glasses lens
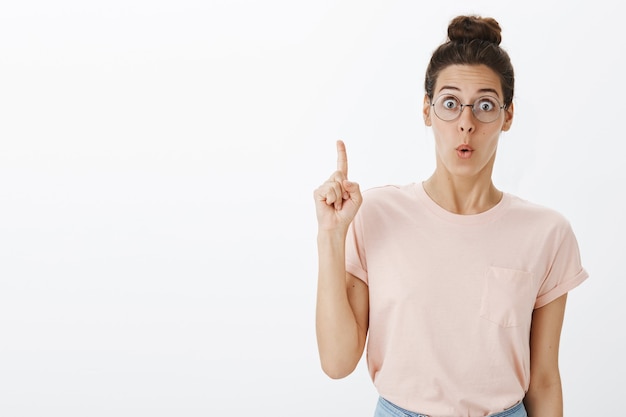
x=447, y=107
x=486, y=109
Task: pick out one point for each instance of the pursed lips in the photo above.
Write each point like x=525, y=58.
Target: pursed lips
x=464, y=151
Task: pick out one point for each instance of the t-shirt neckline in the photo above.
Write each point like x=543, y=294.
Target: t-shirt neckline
x=478, y=218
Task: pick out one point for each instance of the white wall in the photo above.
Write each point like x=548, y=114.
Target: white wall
x=157, y=163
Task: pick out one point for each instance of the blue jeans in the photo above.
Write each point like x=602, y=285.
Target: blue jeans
x=387, y=409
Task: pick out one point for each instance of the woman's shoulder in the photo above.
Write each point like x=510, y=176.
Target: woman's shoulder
x=387, y=202
x=388, y=194
x=389, y=190
x=530, y=211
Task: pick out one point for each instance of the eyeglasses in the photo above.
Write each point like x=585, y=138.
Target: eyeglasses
x=486, y=109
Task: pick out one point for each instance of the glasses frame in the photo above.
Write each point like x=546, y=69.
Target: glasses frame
x=462, y=106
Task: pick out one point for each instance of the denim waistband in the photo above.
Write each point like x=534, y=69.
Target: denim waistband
x=388, y=409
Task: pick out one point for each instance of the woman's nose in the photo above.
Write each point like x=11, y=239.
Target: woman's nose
x=466, y=119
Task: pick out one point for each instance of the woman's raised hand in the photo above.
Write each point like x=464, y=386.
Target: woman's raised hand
x=337, y=200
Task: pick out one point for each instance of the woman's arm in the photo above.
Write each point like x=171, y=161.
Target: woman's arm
x=342, y=312
x=545, y=397
x=342, y=299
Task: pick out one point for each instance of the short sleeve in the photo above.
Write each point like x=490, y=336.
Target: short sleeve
x=356, y=262
x=565, y=272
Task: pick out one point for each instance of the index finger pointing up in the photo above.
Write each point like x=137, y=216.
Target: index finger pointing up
x=342, y=158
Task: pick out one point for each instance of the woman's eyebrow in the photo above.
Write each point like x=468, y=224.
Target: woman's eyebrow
x=448, y=87
x=489, y=90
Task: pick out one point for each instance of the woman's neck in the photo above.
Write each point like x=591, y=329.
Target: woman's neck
x=462, y=195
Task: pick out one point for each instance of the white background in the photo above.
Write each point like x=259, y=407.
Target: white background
x=157, y=164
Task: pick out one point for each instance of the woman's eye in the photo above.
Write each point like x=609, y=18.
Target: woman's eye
x=485, y=105
x=450, y=103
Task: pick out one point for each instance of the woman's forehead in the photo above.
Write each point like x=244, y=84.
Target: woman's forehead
x=469, y=79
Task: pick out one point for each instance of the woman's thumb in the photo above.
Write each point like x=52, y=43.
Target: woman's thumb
x=352, y=188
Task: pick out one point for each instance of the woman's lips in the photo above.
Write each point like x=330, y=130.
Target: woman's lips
x=464, y=152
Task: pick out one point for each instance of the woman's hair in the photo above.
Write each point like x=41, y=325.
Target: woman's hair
x=472, y=40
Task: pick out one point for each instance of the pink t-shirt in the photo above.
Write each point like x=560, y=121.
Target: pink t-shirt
x=452, y=296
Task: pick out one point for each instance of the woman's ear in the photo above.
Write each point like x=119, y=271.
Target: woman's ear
x=426, y=110
x=508, y=117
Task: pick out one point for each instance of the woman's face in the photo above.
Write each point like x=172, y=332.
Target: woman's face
x=466, y=146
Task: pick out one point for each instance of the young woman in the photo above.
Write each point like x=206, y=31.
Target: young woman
x=458, y=288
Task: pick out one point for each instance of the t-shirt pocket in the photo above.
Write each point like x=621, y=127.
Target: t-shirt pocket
x=507, y=298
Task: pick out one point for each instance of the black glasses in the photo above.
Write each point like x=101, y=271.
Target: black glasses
x=486, y=109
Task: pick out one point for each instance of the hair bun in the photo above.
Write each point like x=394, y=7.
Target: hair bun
x=468, y=28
